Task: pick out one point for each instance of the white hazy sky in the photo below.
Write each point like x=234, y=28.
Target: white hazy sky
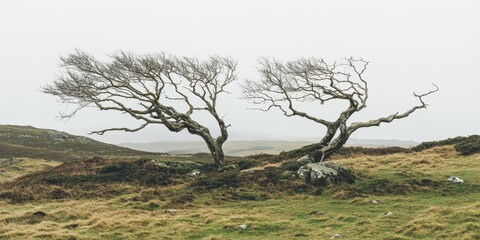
x=409, y=44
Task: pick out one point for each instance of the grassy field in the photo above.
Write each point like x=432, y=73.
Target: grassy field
x=411, y=186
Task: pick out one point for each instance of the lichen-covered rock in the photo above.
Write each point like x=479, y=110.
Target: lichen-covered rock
x=325, y=173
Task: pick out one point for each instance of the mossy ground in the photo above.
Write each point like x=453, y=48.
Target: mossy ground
x=410, y=185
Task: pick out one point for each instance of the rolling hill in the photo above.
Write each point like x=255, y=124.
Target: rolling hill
x=31, y=142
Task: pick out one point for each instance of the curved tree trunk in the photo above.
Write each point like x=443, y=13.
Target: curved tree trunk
x=215, y=146
x=323, y=152
x=333, y=147
x=217, y=152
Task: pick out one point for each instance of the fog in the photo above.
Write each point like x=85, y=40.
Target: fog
x=410, y=44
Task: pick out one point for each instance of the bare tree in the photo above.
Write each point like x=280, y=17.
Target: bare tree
x=154, y=89
x=288, y=85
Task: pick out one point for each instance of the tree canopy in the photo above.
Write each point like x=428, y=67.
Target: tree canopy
x=153, y=88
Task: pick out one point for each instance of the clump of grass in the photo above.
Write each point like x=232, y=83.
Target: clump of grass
x=217, y=180
x=182, y=199
x=291, y=165
x=464, y=145
x=247, y=163
x=469, y=146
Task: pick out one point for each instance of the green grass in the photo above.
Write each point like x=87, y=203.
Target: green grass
x=419, y=216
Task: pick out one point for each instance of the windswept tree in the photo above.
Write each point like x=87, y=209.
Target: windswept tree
x=288, y=86
x=154, y=89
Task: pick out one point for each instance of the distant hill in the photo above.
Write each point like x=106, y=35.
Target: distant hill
x=30, y=142
x=244, y=148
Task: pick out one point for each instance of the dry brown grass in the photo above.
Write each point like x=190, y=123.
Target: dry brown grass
x=23, y=167
x=140, y=212
x=435, y=161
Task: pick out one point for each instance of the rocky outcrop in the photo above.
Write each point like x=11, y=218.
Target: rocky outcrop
x=325, y=173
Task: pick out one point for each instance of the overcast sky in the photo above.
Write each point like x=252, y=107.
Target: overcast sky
x=409, y=44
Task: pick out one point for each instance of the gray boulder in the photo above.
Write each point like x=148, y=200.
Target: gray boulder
x=325, y=173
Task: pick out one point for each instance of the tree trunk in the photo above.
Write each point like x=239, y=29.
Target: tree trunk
x=333, y=147
x=217, y=151
x=324, y=152
x=321, y=151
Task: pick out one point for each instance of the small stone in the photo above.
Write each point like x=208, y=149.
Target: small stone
x=375, y=202
x=336, y=236
x=171, y=211
x=194, y=173
x=242, y=226
x=388, y=214
x=455, y=179
x=163, y=165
